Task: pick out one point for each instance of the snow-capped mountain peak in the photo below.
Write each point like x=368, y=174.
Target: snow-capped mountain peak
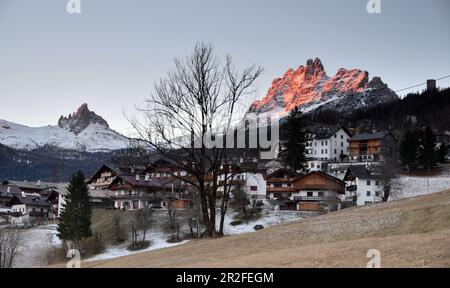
x=83, y=130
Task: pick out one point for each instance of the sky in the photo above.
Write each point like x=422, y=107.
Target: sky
x=112, y=53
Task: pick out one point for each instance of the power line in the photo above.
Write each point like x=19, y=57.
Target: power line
x=441, y=78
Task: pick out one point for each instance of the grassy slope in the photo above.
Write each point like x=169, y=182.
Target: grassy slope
x=408, y=233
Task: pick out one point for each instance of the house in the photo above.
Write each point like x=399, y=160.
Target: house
x=279, y=184
x=135, y=192
x=6, y=194
x=31, y=186
x=30, y=205
x=369, y=146
x=106, y=174
x=317, y=191
x=326, y=144
x=244, y=177
x=364, y=184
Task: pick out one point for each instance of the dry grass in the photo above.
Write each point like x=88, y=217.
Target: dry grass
x=408, y=233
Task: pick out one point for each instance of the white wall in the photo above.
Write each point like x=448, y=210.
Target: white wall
x=362, y=189
x=328, y=149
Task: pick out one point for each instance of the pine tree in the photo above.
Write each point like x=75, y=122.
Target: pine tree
x=427, y=149
x=408, y=150
x=75, y=221
x=294, y=153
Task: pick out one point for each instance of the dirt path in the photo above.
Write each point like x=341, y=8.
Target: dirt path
x=408, y=233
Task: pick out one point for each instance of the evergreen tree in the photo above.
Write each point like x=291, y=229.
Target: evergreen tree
x=427, y=149
x=442, y=152
x=408, y=150
x=75, y=219
x=294, y=153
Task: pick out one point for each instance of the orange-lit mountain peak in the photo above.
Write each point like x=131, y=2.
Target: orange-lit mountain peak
x=309, y=85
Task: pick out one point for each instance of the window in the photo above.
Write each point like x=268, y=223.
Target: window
x=335, y=135
x=321, y=194
x=377, y=183
x=326, y=151
x=342, y=144
x=368, y=193
x=309, y=194
x=335, y=151
x=342, y=136
x=277, y=185
x=253, y=188
x=377, y=193
x=368, y=182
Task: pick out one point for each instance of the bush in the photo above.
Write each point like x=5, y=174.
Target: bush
x=139, y=246
x=236, y=223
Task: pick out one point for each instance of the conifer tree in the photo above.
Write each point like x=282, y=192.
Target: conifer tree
x=427, y=149
x=75, y=221
x=409, y=149
x=294, y=153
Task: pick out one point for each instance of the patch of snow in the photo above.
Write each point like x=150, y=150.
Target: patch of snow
x=412, y=186
x=37, y=243
x=158, y=241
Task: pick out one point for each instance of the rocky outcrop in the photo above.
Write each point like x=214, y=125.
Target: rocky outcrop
x=309, y=87
x=80, y=120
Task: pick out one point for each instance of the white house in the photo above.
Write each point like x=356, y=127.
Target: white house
x=364, y=185
x=252, y=182
x=326, y=145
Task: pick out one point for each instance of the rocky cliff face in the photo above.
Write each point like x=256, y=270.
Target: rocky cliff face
x=309, y=87
x=81, y=119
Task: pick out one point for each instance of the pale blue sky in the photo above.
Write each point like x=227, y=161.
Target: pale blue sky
x=110, y=55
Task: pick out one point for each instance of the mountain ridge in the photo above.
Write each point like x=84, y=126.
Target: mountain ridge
x=83, y=130
x=309, y=87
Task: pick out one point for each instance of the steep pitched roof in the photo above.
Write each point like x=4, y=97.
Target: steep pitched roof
x=31, y=199
x=367, y=136
x=360, y=171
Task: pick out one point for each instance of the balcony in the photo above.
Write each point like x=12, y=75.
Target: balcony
x=316, y=198
x=351, y=188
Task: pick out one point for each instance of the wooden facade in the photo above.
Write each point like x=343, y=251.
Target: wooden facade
x=365, y=147
x=319, y=181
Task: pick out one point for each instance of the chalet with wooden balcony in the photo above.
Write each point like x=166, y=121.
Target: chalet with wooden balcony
x=280, y=184
x=138, y=191
x=369, y=146
x=318, y=191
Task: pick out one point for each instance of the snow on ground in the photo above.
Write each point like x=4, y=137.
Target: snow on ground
x=412, y=186
x=38, y=242
x=158, y=241
x=158, y=238
x=269, y=217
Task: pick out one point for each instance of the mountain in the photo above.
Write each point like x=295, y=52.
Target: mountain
x=82, y=131
x=310, y=88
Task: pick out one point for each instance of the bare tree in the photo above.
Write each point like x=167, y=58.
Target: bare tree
x=10, y=241
x=197, y=100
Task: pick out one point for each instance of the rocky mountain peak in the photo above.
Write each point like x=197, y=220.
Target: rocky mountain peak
x=309, y=87
x=79, y=120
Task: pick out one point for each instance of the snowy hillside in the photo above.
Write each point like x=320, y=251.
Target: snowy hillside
x=83, y=131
